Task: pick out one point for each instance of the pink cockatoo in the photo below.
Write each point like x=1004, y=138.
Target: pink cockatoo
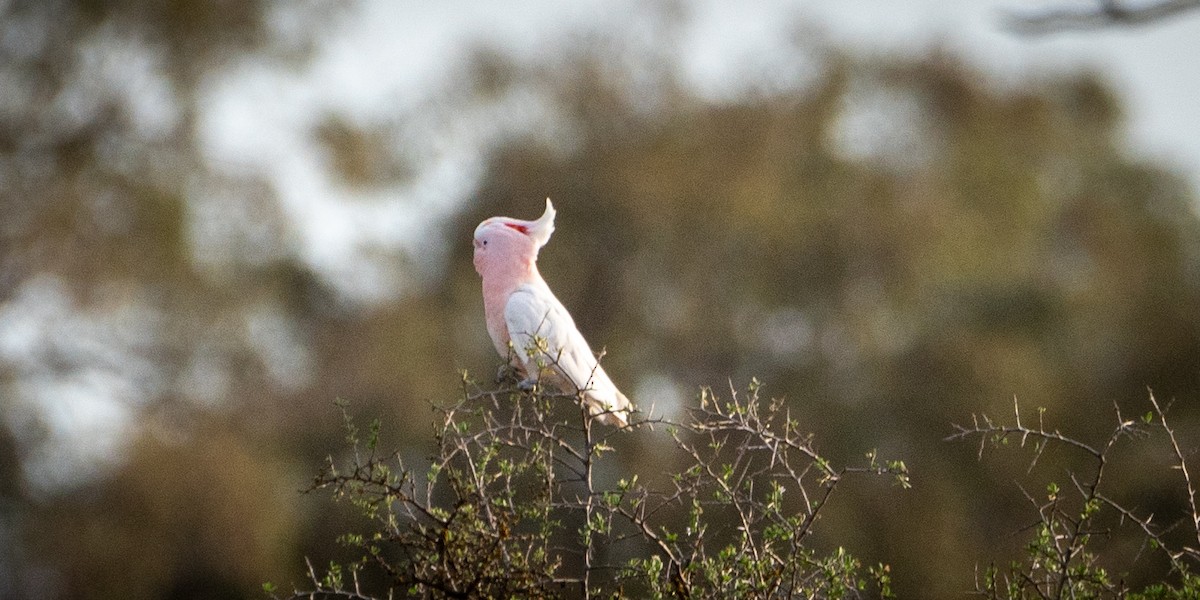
x=522, y=311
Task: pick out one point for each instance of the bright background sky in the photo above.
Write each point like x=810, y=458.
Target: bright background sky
x=383, y=62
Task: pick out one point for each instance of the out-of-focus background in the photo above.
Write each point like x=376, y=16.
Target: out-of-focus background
x=219, y=216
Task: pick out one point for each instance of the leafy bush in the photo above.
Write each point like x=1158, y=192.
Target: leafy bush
x=514, y=503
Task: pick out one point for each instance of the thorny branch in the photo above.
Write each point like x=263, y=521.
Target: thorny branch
x=1060, y=564
x=1181, y=464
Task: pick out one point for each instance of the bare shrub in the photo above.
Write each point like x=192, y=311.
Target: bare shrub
x=512, y=504
x=1061, y=559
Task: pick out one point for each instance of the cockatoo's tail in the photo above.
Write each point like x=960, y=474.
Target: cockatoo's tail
x=522, y=313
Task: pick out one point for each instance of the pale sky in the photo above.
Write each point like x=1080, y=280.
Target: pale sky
x=1155, y=68
x=383, y=62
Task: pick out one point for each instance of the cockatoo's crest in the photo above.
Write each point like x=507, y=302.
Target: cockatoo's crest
x=539, y=231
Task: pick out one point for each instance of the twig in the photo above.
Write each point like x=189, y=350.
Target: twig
x=1106, y=13
x=1181, y=465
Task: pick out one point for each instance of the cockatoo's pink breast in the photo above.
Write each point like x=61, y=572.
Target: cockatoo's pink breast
x=504, y=258
x=494, y=299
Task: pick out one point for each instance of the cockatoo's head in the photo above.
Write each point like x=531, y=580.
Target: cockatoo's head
x=502, y=243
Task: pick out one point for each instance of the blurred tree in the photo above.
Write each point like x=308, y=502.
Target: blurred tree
x=108, y=312
x=202, y=515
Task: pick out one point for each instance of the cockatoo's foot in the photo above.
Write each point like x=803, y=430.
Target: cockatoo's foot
x=505, y=372
x=526, y=385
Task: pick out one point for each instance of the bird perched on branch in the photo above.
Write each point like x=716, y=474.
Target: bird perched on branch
x=529, y=326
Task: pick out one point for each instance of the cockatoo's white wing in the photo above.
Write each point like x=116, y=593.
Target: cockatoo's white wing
x=546, y=341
